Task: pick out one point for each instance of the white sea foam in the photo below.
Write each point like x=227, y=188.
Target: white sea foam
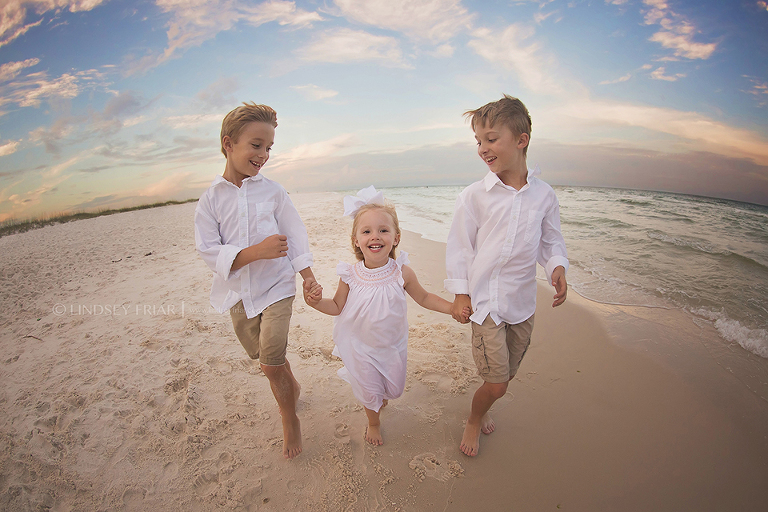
x=754, y=340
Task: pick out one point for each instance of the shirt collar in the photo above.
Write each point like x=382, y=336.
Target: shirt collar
x=220, y=179
x=492, y=179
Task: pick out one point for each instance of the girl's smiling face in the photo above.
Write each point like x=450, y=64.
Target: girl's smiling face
x=376, y=236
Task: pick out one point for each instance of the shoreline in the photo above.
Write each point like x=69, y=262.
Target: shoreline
x=614, y=408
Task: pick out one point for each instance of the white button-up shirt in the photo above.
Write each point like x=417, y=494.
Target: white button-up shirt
x=227, y=220
x=497, y=236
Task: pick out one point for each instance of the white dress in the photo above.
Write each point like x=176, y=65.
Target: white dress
x=371, y=333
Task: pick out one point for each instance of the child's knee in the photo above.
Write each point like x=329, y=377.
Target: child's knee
x=497, y=389
x=273, y=371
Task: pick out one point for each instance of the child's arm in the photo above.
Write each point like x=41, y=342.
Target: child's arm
x=552, y=254
x=332, y=306
x=311, y=286
x=459, y=254
x=272, y=247
x=425, y=299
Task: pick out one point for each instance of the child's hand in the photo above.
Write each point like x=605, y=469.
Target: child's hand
x=313, y=292
x=461, y=308
x=275, y=246
x=561, y=286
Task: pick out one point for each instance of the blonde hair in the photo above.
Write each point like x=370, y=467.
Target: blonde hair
x=509, y=111
x=387, y=208
x=235, y=121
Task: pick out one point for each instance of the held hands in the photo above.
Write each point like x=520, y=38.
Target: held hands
x=561, y=286
x=313, y=292
x=461, y=309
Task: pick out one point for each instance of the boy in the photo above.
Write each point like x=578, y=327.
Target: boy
x=502, y=225
x=250, y=234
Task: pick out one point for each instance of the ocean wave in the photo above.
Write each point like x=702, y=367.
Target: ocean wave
x=686, y=242
x=636, y=202
x=753, y=340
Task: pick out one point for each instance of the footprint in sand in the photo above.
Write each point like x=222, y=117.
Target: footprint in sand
x=206, y=481
x=429, y=465
x=221, y=367
x=342, y=432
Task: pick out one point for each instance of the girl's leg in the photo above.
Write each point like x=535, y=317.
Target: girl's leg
x=373, y=432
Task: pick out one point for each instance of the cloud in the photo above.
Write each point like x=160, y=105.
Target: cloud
x=347, y=45
x=506, y=49
x=195, y=21
x=77, y=129
x=443, y=51
x=166, y=186
x=618, y=80
x=9, y=148
x=51, y=136
x=425, y=165
x=32, y=89
x=658, y=74
x=759, y=90
x=220, y=93
x=315, y=150
x=191, y=120
x=706, y=133
x=313, y=93
x=11, y=70
x=677, y=33
x=539, y=16
x=436, y=21
x=14, y=13
x=617, y=166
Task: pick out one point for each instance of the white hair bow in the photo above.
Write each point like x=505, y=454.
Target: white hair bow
x=365, y=196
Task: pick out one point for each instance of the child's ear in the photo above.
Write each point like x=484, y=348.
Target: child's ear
x=354, y=241
x=226, y=143
x=523, y=140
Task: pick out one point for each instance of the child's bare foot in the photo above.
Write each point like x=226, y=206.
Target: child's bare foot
x=487, y=425
x=291, y=437
x=373, y=435
x=470, y=441
x=384, y=403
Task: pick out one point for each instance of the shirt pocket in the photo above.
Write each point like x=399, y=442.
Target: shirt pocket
x=533, y=229
x=265, y=218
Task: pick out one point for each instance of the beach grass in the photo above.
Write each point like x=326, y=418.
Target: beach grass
x=13, y=226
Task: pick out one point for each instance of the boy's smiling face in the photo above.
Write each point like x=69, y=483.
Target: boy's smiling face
x=501, y=149
x=247, y=156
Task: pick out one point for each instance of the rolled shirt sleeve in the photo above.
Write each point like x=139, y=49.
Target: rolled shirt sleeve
x=460, y=249
x=217, y=256
x=290, y=224
x=552, y=252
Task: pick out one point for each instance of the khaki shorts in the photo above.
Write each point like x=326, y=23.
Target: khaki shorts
x=265, y=336
x=499, y=349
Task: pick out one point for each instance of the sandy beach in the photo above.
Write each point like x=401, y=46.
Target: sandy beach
x=123, y=390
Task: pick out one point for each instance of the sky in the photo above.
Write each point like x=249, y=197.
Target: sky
x=112, y=103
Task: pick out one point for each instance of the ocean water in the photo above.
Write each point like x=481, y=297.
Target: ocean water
x=706, y=256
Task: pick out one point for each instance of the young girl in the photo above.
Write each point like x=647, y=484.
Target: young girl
x=371, y=328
